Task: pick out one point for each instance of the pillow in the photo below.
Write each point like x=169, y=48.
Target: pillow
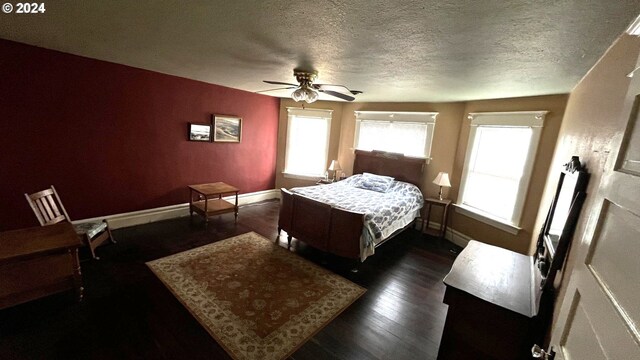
x=374, y=182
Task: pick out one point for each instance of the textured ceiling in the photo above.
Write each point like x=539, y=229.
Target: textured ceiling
x=392, y=50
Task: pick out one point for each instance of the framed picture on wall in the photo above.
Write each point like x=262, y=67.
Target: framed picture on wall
x=227, y=128
x=199, y=132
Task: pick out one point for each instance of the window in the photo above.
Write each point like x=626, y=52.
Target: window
x=498, y=164
x=307, y=142
x=408, y=133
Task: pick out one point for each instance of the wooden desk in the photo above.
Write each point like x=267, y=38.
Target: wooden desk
x=493, y=296
x=426, y=210
x=37, y=262
x=206, y=204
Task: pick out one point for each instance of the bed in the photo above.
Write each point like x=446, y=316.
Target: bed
x=350, y=221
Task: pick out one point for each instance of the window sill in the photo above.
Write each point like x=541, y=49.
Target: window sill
x=487, y=219
x=302, y=177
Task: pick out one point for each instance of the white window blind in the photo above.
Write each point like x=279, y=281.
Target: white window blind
x=408, y=133
x=498, y=164
x=307, y=142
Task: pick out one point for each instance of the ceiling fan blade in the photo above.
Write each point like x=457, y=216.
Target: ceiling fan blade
x=283, y=88
x=338, y=95
x=337, y=88
x=280, y=83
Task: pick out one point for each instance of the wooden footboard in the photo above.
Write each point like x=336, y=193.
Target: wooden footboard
x=319, y=225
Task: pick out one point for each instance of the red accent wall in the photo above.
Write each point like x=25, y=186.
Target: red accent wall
x=113, y=139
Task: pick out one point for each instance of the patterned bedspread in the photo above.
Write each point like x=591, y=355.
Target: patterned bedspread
x=385, y=212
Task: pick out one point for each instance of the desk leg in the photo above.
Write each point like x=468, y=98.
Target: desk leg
x=190, y=202
x=236, y=208
x=206, y=211
x=77, y=274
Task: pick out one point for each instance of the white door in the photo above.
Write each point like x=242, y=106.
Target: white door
x=600, y=315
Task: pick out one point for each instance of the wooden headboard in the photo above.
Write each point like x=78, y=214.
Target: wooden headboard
x=398, y=166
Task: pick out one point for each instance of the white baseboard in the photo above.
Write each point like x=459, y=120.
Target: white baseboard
x=133, y=218
x=452, y=235
x=117, y=221
x=457, y=238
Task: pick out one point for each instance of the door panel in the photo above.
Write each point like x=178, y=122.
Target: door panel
x=580, y=341
x=630, y=156
x=600, y=316
x=601, y=334
x=618, y=238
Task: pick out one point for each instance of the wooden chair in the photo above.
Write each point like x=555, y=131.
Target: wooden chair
x=47, y=206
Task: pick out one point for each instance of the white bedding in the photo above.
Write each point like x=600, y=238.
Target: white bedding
x=384, y=212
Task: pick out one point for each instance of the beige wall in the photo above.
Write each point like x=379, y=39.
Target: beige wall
x=477, y=230
x=448, y=151
x=592, y=120
x=445, y=138
x=444, y=146
x=334, y=138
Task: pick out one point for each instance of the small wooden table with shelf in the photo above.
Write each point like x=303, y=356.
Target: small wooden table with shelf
x=208, y=199
x=426, y=212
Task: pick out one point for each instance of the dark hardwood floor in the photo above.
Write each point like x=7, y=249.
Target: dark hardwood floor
x=127, y=312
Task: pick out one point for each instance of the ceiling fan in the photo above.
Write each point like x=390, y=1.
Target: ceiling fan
x=307, y=91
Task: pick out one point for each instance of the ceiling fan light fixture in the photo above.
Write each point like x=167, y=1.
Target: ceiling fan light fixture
x=308, y=91
x=299, y=95
x=311, y=95
x=305, y=93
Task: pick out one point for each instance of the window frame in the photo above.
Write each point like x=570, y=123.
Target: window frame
x=514, y=119
x=428, y=118
x=293, y=112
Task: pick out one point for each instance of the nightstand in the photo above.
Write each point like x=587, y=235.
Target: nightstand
x=426, y=214
x=324, y=181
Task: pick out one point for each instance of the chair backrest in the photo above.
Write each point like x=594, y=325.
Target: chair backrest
x=47, y=206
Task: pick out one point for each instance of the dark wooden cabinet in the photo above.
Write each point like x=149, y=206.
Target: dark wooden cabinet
x=500, y=302
x=493, y=296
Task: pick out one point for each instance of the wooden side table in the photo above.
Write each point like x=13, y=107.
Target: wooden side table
x=205, y=202
x=426, y=210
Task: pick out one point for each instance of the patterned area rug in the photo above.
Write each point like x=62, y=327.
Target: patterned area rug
x=258, y=300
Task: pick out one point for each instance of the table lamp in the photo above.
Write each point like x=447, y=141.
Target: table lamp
x=442, y=180
x=335, y=166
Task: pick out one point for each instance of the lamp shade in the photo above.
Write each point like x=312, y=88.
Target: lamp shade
x=335, y=165
x=442, y=179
